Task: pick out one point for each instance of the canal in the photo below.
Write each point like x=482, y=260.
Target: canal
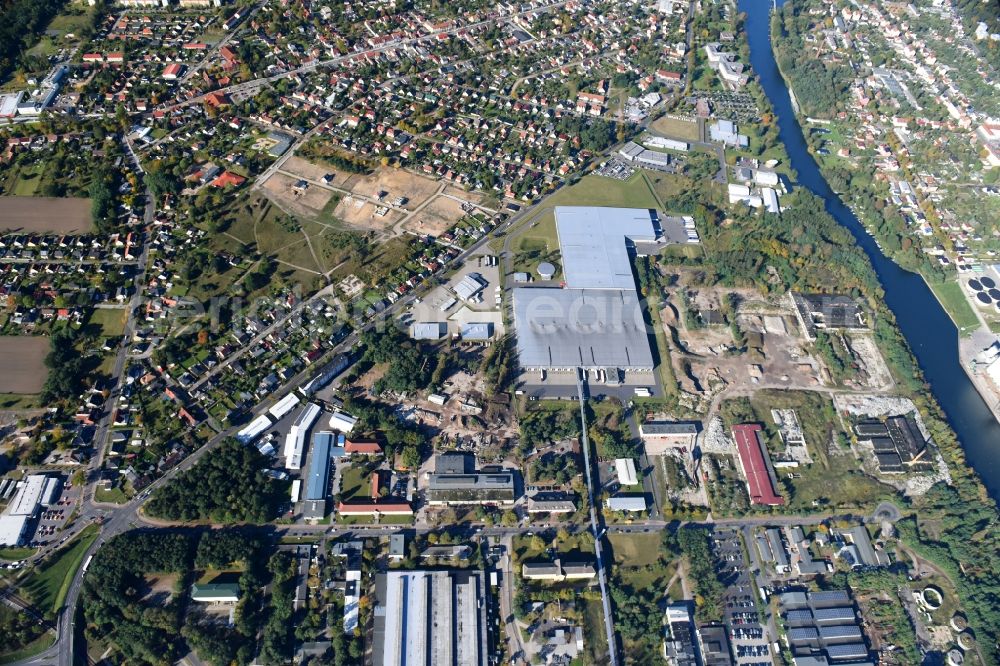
x=924, y=323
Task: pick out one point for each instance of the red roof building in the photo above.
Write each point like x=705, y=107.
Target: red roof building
x=172, y=71
x=228, y=178
x=365, y=448
x=373, y=508
x=756, y=465
x=217, y=100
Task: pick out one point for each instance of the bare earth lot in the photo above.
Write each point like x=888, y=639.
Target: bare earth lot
x=361, y=196
x=397, y=183
x=310, y=171
x=435, y=218
x=22, y=367
x=70, y=215
x=307, y=203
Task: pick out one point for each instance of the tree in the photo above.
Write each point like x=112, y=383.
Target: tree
x=410, y=457
x=228, y=485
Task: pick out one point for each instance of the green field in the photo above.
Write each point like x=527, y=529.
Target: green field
x=18, y=401
x=48, y=585
x=106, y=322
x=37, y=646
x=14, y=554
x=354, y=483
x=638, y=550
x=957, y=306
x=113, y=496
x=596, y=639
x=373, y=520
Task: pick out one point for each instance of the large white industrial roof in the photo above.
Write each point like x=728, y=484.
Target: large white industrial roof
x=284, y=406
x=12, y=529
x=25, y=502
x=593, y=242
x=254, y=429
x=572, y=328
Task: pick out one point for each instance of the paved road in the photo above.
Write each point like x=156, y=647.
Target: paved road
x=595, y=527
x=101, y=433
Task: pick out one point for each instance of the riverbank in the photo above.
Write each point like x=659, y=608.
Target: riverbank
x=950, y=524
x=929, y=332
x=970, y=340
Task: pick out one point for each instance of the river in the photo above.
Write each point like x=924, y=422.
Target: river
x=931, y=334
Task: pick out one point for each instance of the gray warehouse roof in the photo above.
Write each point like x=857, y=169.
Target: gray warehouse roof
x=829, y=597
x=799, y=617
x=429, y=330
x=840, y=614
x=840, y=632
x=847, y=651
x=570, y=328
x=799, y=634
x=627, y=503
x=593, y=243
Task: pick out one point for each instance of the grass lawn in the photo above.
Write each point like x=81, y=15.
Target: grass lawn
x=48, y=585
x=19, y=401
x=637, y=561
x=371, y=520
x=72, y=20
x=957, y=306
x=301, y=539
x=14, y=554
x=596, y=639
x=354, y=484
x=37, y=646
x=107, y=322
x=113, y=496
x=27, y=182
x=641, y=550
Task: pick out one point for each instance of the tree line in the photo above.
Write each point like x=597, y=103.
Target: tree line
x=228, y=485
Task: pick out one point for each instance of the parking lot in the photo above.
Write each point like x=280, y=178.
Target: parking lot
x=741, y=615
x=615, y=168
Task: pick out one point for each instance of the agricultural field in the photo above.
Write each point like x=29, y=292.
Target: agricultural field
x=23, y=361
x=58, y=215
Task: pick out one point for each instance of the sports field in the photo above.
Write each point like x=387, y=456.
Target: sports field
x=58, y=215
